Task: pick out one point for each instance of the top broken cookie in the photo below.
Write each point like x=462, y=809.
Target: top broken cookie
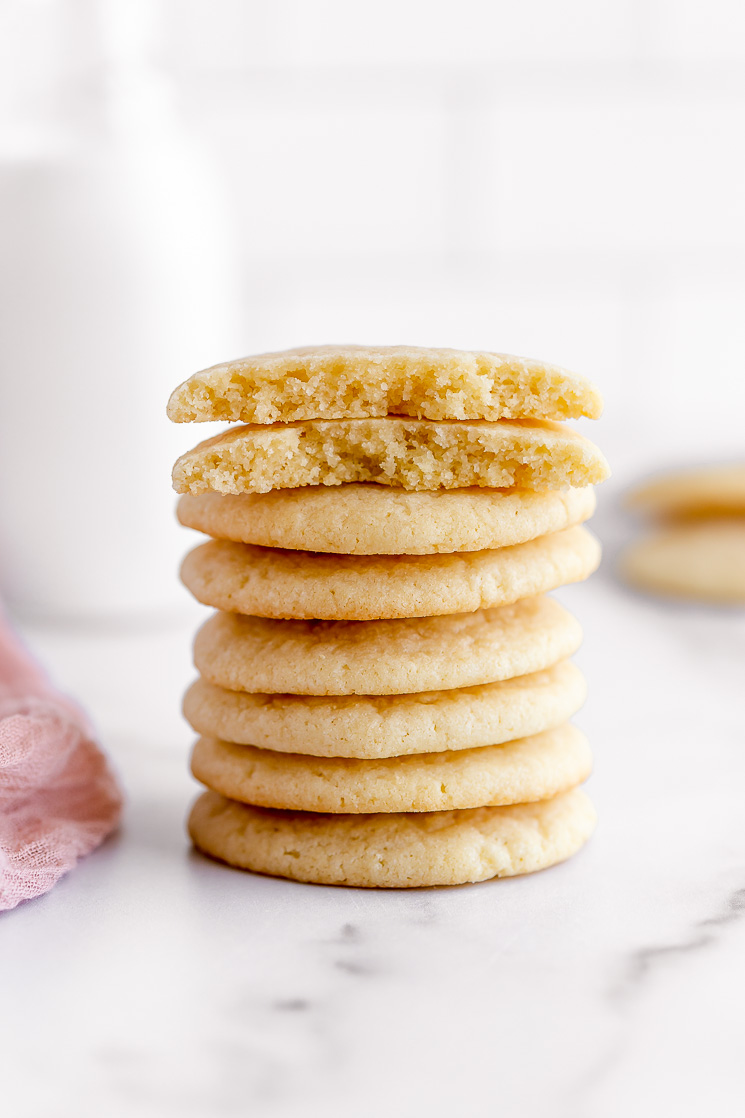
x=357, y=382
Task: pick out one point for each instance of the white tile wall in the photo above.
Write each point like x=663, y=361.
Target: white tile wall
x=563, y=180
x=627, y=170
x=558, y=179
x=713, y=30
x=321, y=33
x=337, y=180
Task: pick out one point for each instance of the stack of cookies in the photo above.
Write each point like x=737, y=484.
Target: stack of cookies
x=384, y=691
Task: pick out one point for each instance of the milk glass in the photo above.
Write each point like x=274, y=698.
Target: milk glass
x=117, y=280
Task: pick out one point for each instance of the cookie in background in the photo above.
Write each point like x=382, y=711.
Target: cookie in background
x=696, y=549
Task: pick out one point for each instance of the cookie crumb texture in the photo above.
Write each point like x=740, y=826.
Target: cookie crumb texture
x=393, y=850
x=409, y=453
x=346, y=382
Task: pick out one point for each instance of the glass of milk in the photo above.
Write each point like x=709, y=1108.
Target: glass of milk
x=118, y=280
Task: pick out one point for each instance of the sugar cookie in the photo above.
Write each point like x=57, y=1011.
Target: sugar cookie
x=367, y=519
x=373, y=726
x=700, y=491
x=384, y=657
x=345, y=382
x=400, y=850
x=409, y=453
x=269, y=582
x=515, y=772
x=702, y=560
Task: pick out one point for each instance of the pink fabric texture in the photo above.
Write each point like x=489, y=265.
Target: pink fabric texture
x=58, y=796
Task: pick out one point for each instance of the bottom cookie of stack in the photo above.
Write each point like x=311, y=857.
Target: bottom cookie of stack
x=393, y=850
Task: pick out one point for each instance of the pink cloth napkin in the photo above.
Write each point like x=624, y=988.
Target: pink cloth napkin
x=58, y=797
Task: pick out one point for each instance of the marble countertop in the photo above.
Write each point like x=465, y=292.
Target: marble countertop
x=152, y=982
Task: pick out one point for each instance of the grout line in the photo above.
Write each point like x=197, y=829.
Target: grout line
x=483, y=82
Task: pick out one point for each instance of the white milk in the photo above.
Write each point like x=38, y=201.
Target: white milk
x=116, y=282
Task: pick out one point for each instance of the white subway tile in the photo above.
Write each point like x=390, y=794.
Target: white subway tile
x=690, y=29
x=694, y=355
x=337, y=182
x=683, y=396
x=632, y=169
x=581, y=329
x=318, y=33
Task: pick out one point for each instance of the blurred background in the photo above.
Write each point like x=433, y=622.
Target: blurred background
x=183, y=182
